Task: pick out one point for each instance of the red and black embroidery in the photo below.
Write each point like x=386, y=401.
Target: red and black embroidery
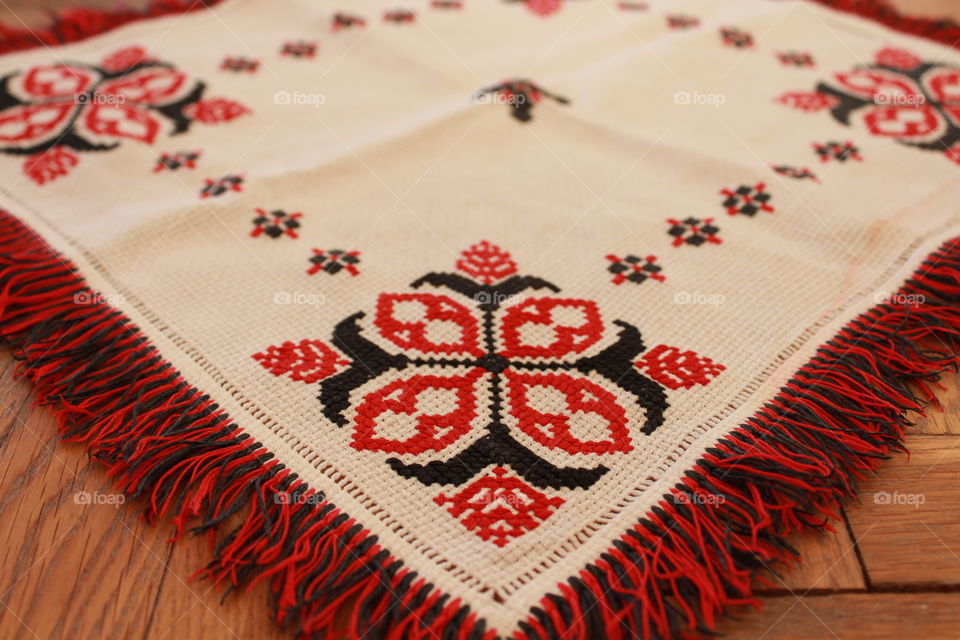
x=50, y=165
x=953, y=153
x=174, y=161
x=899, y=96
x=399, y=16
x=693, y=231
x=747, y=200
x=276, y=223
x=299, y=49
x=240, y=64
x=123, y=59
x=795, y=58
x=540, y=7
x=50, y=111
x=797, y=173
x=520, y=95
x=346, y=21
x=897, y=59
x=633, y=6
x=306, y=361
x=500, y=365
x=498, y=507
x=839, y=151
x=681, y=21
x=809, y=101
x=734, y=37
x=215, y=110
x=676, y=369
x=446, y=4
x=631, y=268
x=334, y=261
x=213, y=188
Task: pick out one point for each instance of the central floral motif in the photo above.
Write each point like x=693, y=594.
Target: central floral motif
x=488, y=369
x=899, y=96
x=48, y=110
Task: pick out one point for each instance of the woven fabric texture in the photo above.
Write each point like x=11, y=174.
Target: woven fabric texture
x=490, y=280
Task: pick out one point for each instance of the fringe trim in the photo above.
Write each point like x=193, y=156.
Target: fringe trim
x=670, y=576
x=786, y=469
x=944, y=30
x=164, y=442
x=71, y=25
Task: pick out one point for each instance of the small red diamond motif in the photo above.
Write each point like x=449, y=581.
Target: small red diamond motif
x=499, y=508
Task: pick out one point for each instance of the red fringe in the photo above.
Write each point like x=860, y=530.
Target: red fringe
x=944, y=30
x=785, y=470
x=168, y=444
x=670, y=576
x=71, y=25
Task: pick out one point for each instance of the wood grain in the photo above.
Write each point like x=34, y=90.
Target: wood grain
x=931, y=616
x=908, y=523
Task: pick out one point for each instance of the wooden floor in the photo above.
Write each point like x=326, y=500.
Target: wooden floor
x=74, y=566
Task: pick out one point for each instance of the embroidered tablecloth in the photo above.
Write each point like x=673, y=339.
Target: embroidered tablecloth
x=517, y=317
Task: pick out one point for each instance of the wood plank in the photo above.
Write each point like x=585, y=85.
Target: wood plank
x=941, y=420
x=193, y=609
x=908, y=522
x=75, y=570
x=850, y=617
x=828, y=561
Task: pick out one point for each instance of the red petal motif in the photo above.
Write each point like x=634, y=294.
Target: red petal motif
x=550, y=328
x=551, y=425
x=31, y=123
x=152, y=85
x=57, y=81
x=902, y=122
x=428, y=323
x=945, y=85
x=121, y=121
x=883, y=87
x=392, y=406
